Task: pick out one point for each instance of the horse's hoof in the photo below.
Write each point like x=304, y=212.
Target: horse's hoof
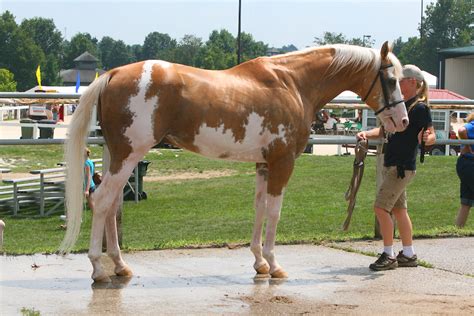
x=101, y=279
x=126, y=271
x=264, y=268
x=279, y=274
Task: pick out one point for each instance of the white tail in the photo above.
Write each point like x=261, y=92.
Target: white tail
x=74, y=153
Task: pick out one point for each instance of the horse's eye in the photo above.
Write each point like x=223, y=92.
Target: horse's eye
x=392, y=82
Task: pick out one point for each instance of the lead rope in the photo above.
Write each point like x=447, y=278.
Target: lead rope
x=360, y=152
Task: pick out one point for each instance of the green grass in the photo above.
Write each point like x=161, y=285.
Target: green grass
x=205, y=212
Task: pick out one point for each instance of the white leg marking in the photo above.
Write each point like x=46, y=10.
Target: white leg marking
x=273, y=216
x=260, y=264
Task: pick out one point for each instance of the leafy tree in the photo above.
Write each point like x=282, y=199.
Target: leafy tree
x=187, y=51
x=45, y=35
x=219, y=52
x=446, y=25
x=288, y=48
x=251, y=48
x=80, y=43
x=18, y=52
x=410, y=52
x=335, y=38
x=119, y=55
x=105, y=46
x=7, y=81
x=158, y=46
x=135, y=52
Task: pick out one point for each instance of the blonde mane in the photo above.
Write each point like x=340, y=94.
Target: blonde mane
x=360, y=58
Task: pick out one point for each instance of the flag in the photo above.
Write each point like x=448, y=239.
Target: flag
x=38, y=76
x=78, y=81
x=96, y=75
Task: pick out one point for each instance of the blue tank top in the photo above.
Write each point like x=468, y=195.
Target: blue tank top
x=470, y=134
x=89, y=164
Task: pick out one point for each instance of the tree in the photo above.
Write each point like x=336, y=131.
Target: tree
x=158, y=46
x=18, y=52
x=288, y=48
x=45, y=35
x=135, y=52
x=187, y=51
x=334, y=38
x=119, y=55
x=7, y=81
x=80, y=43
x=105, y=46
x=446, y=25
x=251, y=48
x=219, y=52
x=410, y=52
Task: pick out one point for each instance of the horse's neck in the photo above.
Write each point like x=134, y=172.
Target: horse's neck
x=315, y=83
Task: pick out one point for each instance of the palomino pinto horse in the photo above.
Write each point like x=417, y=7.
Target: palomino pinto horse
x=259, y=111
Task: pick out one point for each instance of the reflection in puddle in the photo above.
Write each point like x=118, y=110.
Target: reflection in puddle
x=107, y=296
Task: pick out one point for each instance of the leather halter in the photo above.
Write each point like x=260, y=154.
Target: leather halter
x=384, y=90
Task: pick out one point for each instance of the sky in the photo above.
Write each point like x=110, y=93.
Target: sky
x=275, y=22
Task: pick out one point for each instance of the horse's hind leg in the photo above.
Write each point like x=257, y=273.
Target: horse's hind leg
x=106, y=200
x=260, y=265
x=113, y=248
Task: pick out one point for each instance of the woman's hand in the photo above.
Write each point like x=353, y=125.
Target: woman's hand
x=361, y=135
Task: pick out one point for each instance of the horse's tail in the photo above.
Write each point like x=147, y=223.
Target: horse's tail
x=74, y=154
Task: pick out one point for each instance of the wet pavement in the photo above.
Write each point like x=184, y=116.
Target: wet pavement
x=323, y=280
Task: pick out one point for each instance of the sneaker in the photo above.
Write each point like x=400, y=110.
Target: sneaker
x=384, y=262
x=404, y=261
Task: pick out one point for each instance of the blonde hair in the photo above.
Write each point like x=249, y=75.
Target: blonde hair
x=470, y=117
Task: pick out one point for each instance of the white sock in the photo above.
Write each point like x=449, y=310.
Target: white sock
x=409, y=251
x=389, y=250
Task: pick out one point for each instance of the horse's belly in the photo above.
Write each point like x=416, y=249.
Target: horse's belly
x=218, y=148
x=246, y=144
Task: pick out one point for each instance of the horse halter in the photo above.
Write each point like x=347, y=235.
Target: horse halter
x=384, y=90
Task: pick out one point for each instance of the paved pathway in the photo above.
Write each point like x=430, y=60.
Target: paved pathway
x=323, y=280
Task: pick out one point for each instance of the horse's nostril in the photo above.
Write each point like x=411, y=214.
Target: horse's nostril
x=405, y=122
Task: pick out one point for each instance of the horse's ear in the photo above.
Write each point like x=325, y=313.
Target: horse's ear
x=386, y=48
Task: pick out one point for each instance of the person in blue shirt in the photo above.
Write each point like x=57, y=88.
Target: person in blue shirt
x=89, y=185
x=465, y=170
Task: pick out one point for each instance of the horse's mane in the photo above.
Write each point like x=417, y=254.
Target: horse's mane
x=359, y=58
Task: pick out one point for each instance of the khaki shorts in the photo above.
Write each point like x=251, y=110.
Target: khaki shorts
x=392, y=191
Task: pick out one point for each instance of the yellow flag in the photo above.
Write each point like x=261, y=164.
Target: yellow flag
x=38, y=76
x=96, y=75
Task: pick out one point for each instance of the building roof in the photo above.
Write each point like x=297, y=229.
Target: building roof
x=456, y=52
x=86, y=56
x=434, y=94
x=444, y=94
x=87, y=75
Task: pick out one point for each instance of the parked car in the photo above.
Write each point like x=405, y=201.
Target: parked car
x=439, y=150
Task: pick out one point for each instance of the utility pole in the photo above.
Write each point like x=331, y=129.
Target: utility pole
x=238, y=34
x=421, y=24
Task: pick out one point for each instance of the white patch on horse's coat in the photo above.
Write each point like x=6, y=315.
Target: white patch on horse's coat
x=221, y=143
x=140, y=132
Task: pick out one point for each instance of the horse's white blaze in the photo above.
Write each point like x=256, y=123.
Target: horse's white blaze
x=221, y=143
x=140, y=132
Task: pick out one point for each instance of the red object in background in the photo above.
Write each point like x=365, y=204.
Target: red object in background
x=61, y=113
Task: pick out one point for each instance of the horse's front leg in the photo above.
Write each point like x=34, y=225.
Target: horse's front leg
x=261, y=265
x=278, y=176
